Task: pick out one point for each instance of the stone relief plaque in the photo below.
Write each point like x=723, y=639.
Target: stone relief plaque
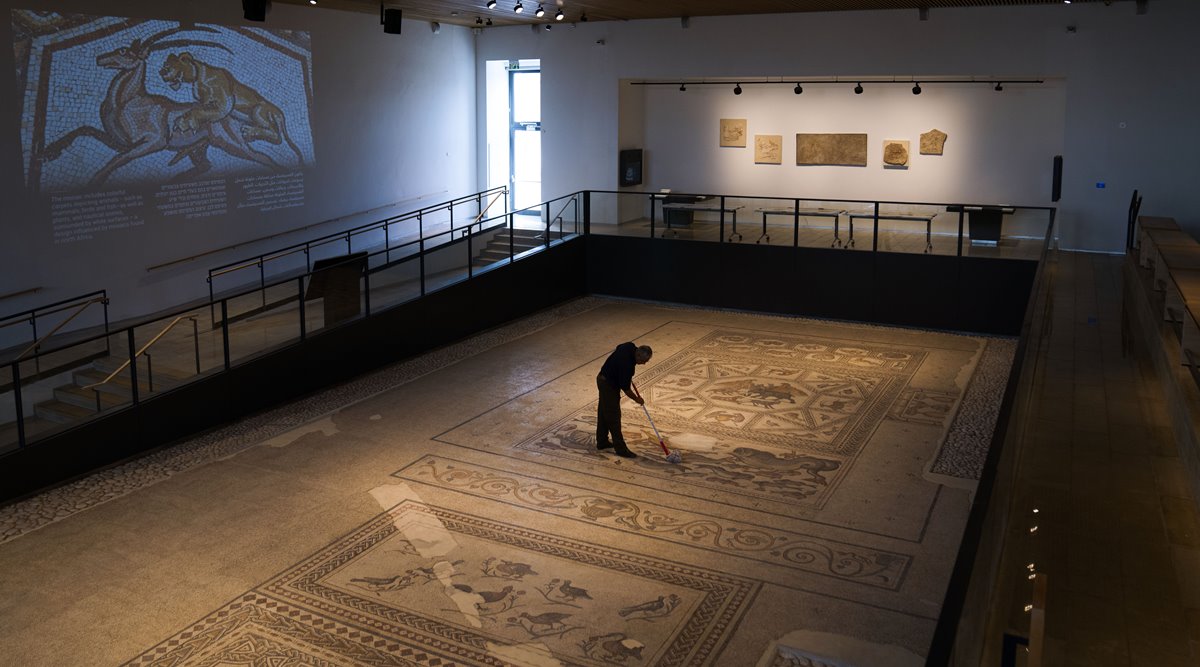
x=733, y=132
x=768, y=149
x=895, y=153
x=832, y=149
x=932, y=142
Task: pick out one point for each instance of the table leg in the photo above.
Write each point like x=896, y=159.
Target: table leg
x=764, y=233
x=928, y=232
x=850, y=241
x=837, y=240
x=735, y=231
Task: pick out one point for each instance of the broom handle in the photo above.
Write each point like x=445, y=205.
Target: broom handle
x=660, y=440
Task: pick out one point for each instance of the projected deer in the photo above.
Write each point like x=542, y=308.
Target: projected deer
x=136, y=123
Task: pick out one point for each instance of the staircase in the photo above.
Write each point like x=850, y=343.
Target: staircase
x=71, y=403
x=497, y=249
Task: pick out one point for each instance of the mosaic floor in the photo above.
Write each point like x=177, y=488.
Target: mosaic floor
x=453, y=509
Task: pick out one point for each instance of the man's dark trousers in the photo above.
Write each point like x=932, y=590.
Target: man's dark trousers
x=608, y=416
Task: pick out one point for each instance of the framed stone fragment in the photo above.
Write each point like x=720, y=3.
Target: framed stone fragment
x=895, y=154
x=932, y=142
x=768, y=149
x=733, y=132
x=848, y=150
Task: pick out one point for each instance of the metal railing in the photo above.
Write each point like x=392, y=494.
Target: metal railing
x=144, y=352
x=260, y=261
x=79, y=304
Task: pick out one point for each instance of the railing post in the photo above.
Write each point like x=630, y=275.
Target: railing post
x=303, y=318
x=721, y=238
x=149, y=373
x=262, y=280
x=652, y=234
x=451, y=209
x=37, y=361
x=387, y=244
x=307, y=259
x=196, y=342
x=962, y=213
x=133, y=378
x=577, y=215
x=107, y=343
x=548, y=224
x=875, y=236
x=225, y=330
x=796, y=225
x=511, y=253
x=212, y=313
x=367, y=288
x=349, y=245
x=16, y=380
x=421, y=249
x=587, y=212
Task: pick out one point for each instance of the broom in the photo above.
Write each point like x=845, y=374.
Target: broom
x=672, y=457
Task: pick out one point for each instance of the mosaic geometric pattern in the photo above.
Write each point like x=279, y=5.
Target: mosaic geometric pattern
x=426, y=585
x=839, y=560
x=783, y=414
x=923, y=406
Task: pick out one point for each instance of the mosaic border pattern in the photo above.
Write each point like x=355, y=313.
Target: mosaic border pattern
x=830, y=558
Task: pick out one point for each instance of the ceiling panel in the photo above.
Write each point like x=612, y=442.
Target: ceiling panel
x=468, y=12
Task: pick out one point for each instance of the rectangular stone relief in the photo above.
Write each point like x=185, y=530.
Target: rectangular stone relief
x=768, y=149
x=832, y=149
x=733, y=132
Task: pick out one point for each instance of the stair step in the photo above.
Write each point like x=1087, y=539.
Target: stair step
x=86, y=398
x=118, y=386
x=63, y=413
x=163, y=374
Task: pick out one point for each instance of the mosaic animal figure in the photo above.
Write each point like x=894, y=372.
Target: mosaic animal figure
x=380, y=585
x=571, y=593
x=663, y=606
x=615, y=647
x=136, y=123
x=220, y=96
x=549, y=623
x=506, y=569
x=487, y=596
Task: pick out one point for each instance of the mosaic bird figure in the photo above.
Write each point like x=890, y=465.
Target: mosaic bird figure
x=511, y=570
x=542, y=623
x=488, y=596
x=620, y=650
x=664, y=605
x=571, y=593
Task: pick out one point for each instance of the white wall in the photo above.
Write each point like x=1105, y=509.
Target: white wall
x=393, y=120
x=1115, y=68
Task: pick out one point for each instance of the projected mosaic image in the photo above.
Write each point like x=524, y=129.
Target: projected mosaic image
x=110, y=101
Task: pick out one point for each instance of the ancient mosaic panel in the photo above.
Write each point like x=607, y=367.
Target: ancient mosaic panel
x=831, y=149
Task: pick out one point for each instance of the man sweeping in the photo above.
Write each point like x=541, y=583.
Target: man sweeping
x=616, y=375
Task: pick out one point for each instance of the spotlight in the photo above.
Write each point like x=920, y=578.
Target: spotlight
x=549, y=26
x=858, y=89
x=999, y=86
x=312, y=2
x=254, y=10
x=478, y=21
x=797, y=89
x=558, y=16
x=488, y=22
x=540, y=12
x=917, y=89
x=682, y=87
x=737, y=90
x=583, y=18
x=491, y=4
x=519, y=8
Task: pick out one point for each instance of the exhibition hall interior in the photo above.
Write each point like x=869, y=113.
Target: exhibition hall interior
x=312, y=313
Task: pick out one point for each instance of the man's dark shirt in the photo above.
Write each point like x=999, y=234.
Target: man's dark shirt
x=618, y=368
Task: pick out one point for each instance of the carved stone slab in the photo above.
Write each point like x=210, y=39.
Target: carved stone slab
x=932, y=142
x=768, y=149
x=733, y=132
x=832, y=149
x=895, y=153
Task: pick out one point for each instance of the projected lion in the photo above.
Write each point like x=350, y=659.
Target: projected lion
x=220, y=96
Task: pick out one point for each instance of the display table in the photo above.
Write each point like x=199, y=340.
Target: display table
x=703, y=206
x=927, y=219
x=801, y=213
x=673, y=216
x=983, y=222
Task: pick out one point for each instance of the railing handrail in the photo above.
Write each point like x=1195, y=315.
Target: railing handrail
x=21, y=316
x=335, y=236
x=38, y=343
x=574, y=197
x=142, y=351
x=485, y=209
x=661, y=195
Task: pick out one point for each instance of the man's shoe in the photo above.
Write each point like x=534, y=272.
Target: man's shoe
x=626, y=454
x=604, y=445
